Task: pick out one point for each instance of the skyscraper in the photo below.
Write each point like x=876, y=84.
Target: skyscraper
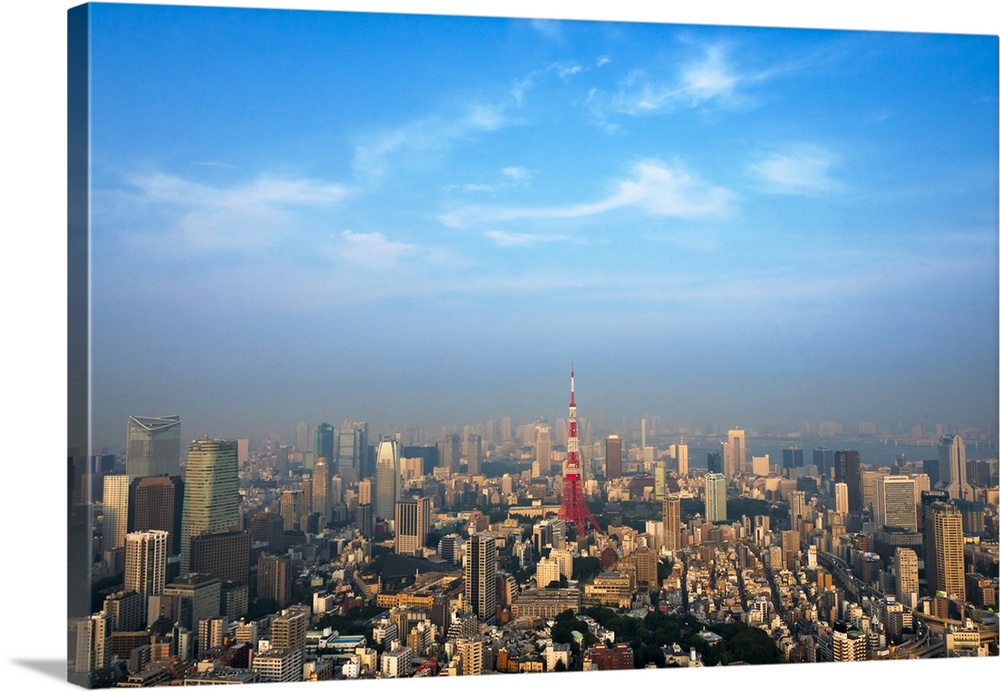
x=474, y=453
x=115, y=511
x=146, y=563
x=449, y=452
x=840, y=496
x=292, y=508
x=153, y=446
x=480, y=576
x=894, y=502
x=796, y=508
x=156, y=502
x=682, y=458
x=907, y=583
x=413, y=519
x=321, y=487
x=736, y=450
x=672, y=523
x=848, y=469
x=613, y=457
x=388, y=478
x=211, y=492
x=352, y=451
x=715, y=498
x=325, y=445
x=952, y=468
x=543, y=448
x=943, y=549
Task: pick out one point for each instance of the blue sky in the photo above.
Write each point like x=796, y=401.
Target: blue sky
x=423, y=220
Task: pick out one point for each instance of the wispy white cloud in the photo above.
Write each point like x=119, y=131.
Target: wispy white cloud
x=799, y=169
x=708, y=80
x=370, y=250
x=654, y=187
x=507, y=239
x=198, y=217
x=516, y=173
x=603, y=60
x=548, y=28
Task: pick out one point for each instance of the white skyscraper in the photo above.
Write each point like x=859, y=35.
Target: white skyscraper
x=146, y=562
x=682, y=458
x=115, y=524
x=840, y=494
x=388, y=478
x=715, y=498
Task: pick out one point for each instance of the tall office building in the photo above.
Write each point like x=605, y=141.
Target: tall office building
x=894, y=502
x=735, y=454
x=274, y=578
x=682, y=458
x=292, y=508
x=146, y=563
x=115, y=525
x=952, y=468
x=543, y=448
x=790, y=459
x=156, y=502
x=223, y=555
x=325, y=445
x=715, y=498
x=613, y=457
x=449, y=452
x=473, y=453
x=823, y=460
x=388, y=478
x=672, y=523
x=413, y=521
x=153, y=446
x=943, y=549
x=481, y=576
x=352, y=452
x=848, y=470
x=321, y=487
x=796, y=508
x=211, y=492
x=713, y=462
x=840, y=496
x=907, y=582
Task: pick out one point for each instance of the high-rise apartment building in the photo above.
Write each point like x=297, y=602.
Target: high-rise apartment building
x=715, y=498
x=388, y=478
x=672, y=523
x=943, y=549
x=473, y=453
x=796, y=508
x=115, y=525
x=480, y=576
x=211, y=492
x=274, y=578
x=895, y=503
x=153, y=446
x=952, y=468
x=156, y=502
x=907, y=583
x=146, y=562
x=613, y=457
x=413, y=520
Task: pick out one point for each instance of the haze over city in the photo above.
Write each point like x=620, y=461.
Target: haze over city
x=422, y=221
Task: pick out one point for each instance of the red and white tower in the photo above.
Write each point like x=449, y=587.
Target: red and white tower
x=573, y=507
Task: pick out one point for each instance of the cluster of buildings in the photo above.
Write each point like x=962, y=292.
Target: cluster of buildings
x=338, y=557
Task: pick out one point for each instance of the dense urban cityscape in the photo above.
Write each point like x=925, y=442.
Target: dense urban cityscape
x=534, y=547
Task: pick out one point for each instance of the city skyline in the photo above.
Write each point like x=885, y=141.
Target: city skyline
x=711, y=222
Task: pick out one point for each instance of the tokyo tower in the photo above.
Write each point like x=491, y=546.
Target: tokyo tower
x=573, y=507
